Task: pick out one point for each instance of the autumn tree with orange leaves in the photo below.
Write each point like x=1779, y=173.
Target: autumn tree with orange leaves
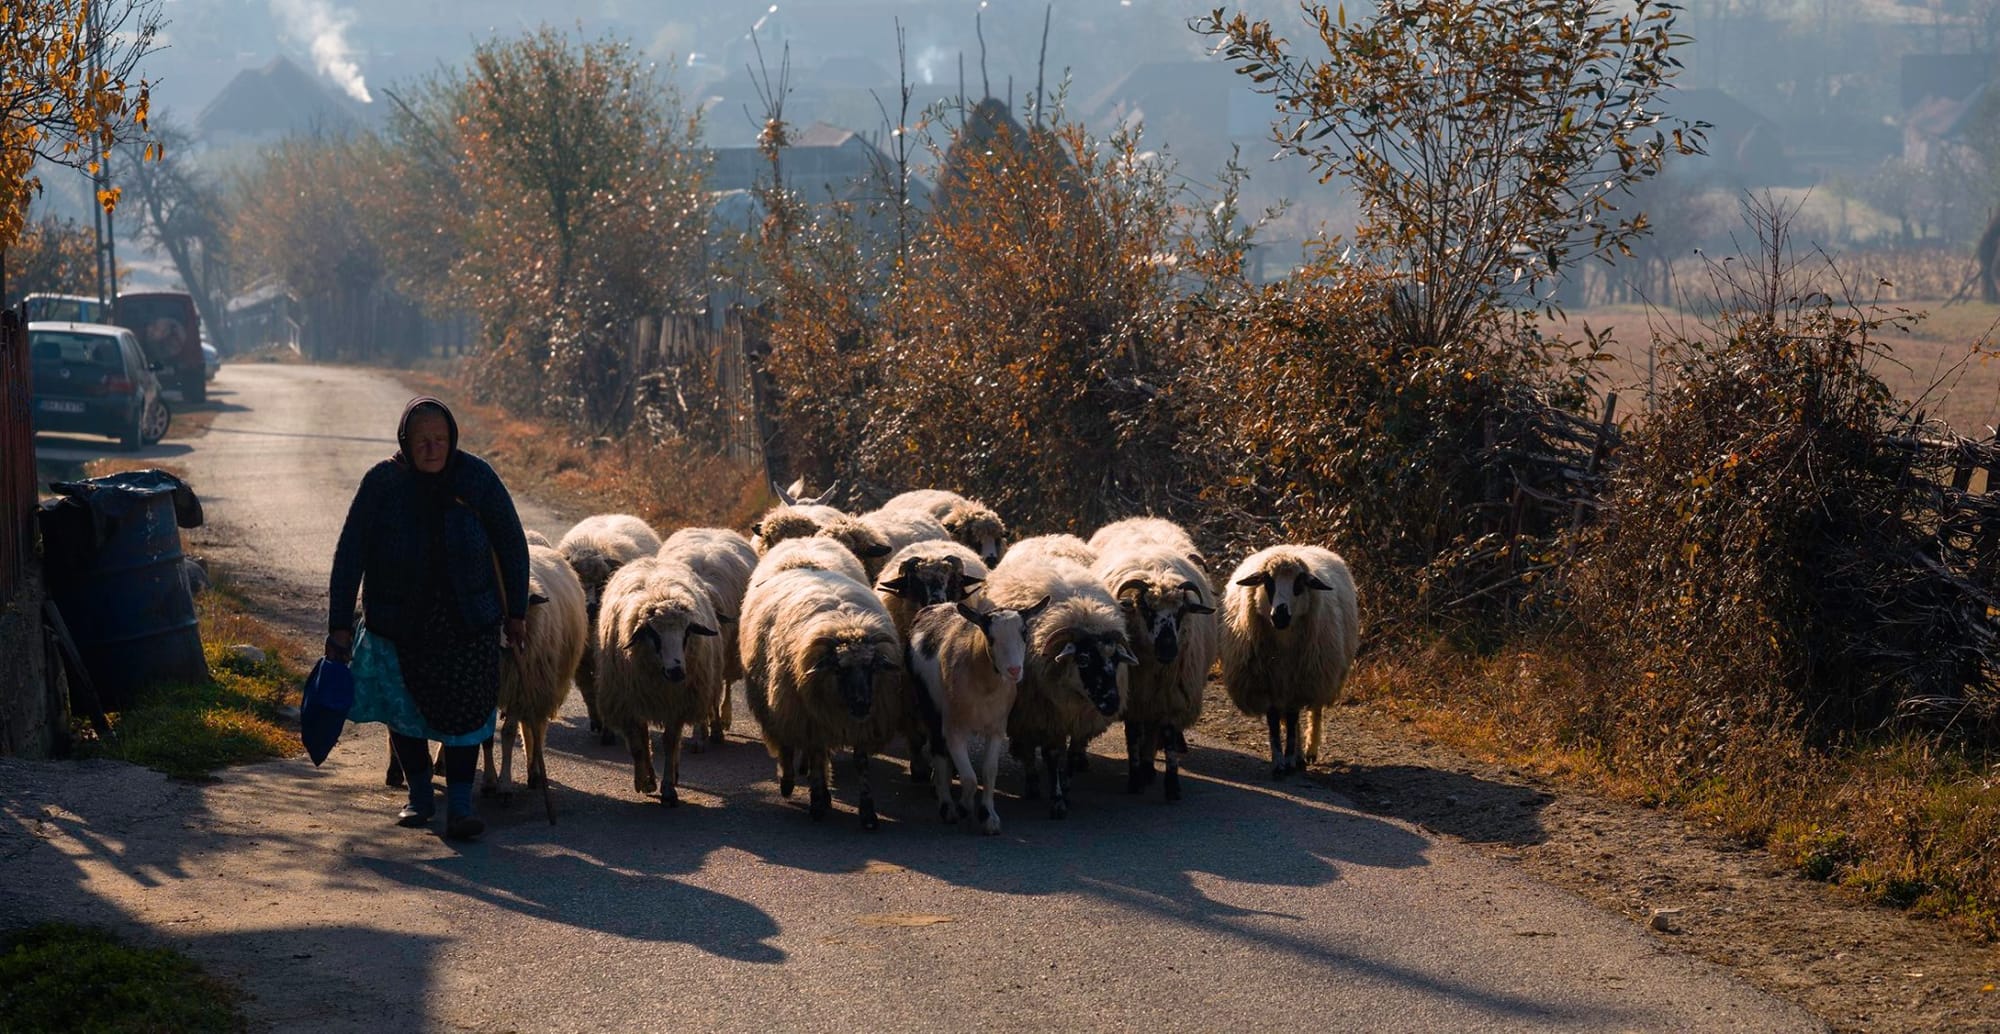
x=55, y=104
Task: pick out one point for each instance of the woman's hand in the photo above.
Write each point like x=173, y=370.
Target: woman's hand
x=517, y=633
x=340, y=645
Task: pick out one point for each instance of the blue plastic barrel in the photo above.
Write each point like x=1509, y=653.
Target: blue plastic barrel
x=112, y=559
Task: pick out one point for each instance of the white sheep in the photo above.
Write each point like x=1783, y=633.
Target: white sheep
x=596, y=547
x=968, y=521
x=660, y=663
x=1290, y=629
x=821, y=670
x=535, y=677
x=783, y=523
x=813, y=554
x=1170, y=615
x=1073, y=684
x=1067, y=548
x=917, y=576
x=1147, y=531
x=899, y=528
x=723, y=559
x=966, y=664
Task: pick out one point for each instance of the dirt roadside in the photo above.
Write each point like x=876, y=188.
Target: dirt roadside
x=1859, y=967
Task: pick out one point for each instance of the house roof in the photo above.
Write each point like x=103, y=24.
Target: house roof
x=280, y=97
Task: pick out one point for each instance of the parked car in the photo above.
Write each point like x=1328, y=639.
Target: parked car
x=169, y=329
x=94, y=378
x=71, y=308
x=211, y=361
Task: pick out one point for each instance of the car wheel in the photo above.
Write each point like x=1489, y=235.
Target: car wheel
x=195, y=388
x=158, y=419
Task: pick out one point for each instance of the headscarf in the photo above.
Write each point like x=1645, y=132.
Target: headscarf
x=410, y=410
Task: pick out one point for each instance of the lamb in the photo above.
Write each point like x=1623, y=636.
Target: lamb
x=820, y=667
x=595, y=548
x=660, y=660
x=723, y=559
x=899, y=528
x=1169, y=614
x=1290, y=629
x=967, y=666
x=535, y=678
x=920, y=575
x=814, y=554
x=1153, y=531
x=969, y=522
x=1067, y=548
x=1072, y=686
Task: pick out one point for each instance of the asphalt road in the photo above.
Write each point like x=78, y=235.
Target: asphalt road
x=1247, y=906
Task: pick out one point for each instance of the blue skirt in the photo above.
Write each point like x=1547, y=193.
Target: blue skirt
x=379, y=696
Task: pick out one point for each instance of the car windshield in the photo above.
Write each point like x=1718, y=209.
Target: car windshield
x=75, y=350
x=71, y=310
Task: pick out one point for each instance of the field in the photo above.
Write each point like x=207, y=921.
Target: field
x=1943, y=363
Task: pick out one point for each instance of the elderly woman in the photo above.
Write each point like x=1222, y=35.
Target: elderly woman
x=434, y=547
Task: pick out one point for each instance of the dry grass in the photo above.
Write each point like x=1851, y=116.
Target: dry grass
x=1944, y=362
x=1895, y=820
x=667, y=484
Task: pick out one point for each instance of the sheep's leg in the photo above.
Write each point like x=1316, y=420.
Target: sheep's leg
x=1315, y=720
x=940, y=777
x=640, y=743
x=534, y=740
x=1079, y=755
x=1280, y=766
x=1058, y=781
x=508, y=730
x=989, y=773
x=960, y=746
x=820, y=797
x=1293, y=759
x=724, y=714
x=788, y=765
x=867, y=804
x=1031, y=773
x=922, y=752
x=670, y=764
x=1175, y=745
x=1133, y=781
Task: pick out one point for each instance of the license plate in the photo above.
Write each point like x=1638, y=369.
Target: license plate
x=61, y=406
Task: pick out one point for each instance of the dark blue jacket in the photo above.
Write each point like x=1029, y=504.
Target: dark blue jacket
x=384, y=550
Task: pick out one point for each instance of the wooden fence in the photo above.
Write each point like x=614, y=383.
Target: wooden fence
x=17, y=455
x=693, y=378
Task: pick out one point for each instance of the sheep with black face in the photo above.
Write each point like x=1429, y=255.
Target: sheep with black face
x=1290, y=629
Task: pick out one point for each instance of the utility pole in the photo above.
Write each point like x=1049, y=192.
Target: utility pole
x=107, y=246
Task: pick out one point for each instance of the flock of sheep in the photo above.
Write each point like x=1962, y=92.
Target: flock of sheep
x=918, y=621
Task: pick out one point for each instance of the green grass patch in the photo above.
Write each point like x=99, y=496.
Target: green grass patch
x=189, y=731
x=58, y=977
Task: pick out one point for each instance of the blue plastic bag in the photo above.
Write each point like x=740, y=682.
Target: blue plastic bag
x=329, y=695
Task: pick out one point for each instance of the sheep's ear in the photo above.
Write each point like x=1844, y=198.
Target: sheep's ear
x=907, y=567
x=899, y=585
x=791, y=497
x=1124, y=656
x=727, y=619
x=969, y=580
x=535, y=598
x=1040, y=605
x=1315, y=583
x=1260, y=578
x=701, y=630
x=757, y=529
x=981, y=618
x=872, y=552
x=1196, y=608
x=1068, y=650
x=645, y=635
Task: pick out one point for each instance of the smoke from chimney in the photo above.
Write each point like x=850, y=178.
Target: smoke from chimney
x=325, y=32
